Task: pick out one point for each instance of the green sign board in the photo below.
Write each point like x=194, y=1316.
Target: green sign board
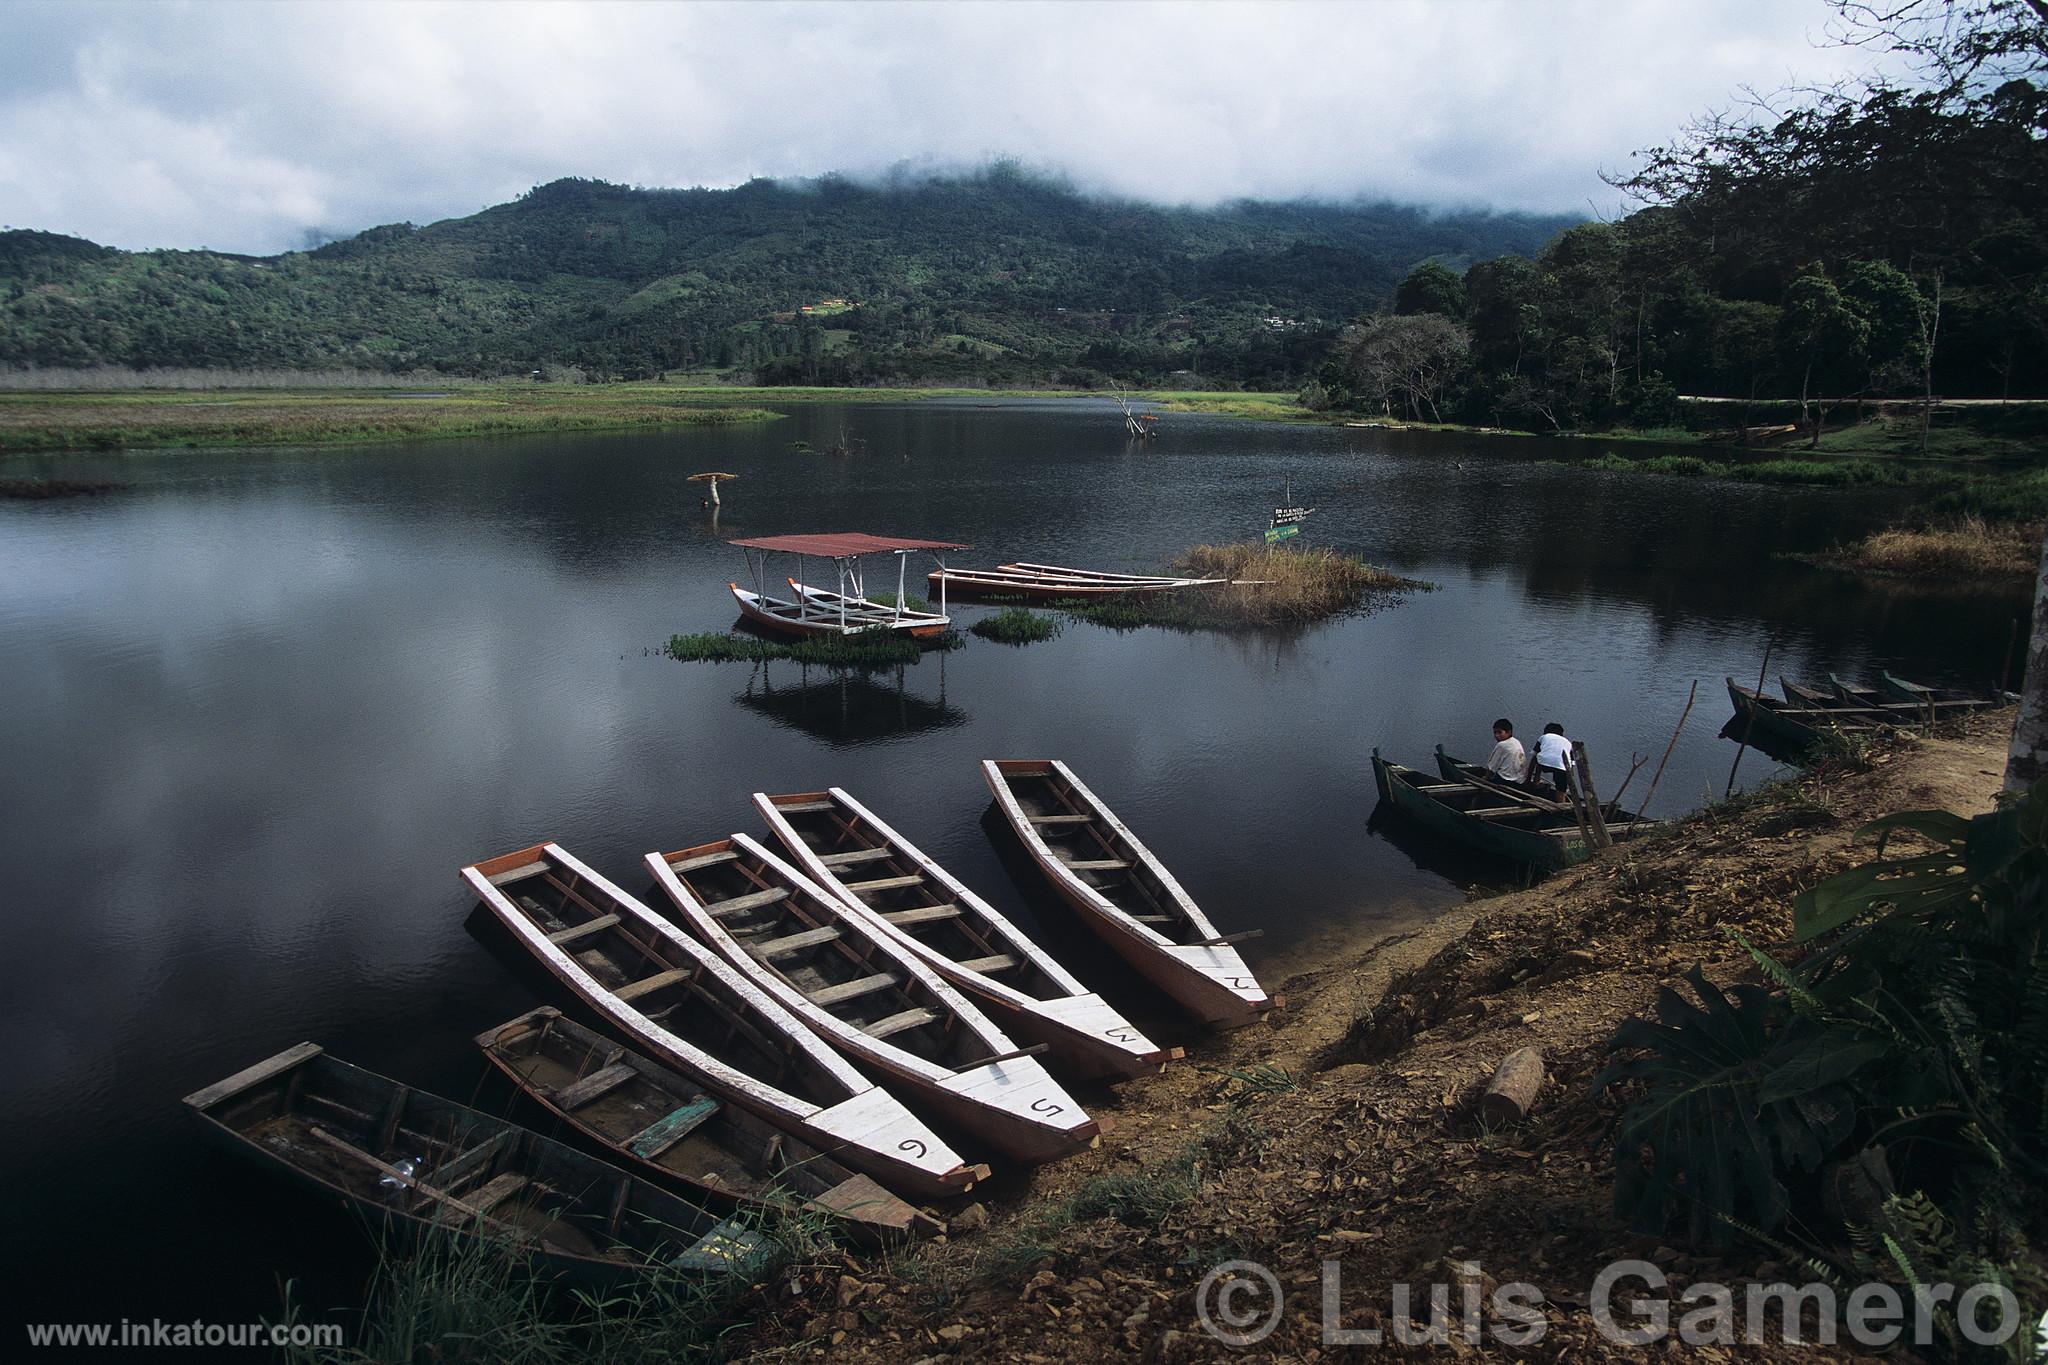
x=1279, y=533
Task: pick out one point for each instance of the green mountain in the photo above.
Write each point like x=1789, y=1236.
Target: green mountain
x=998, y=274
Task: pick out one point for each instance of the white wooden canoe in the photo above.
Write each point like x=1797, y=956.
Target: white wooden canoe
x=816, y=618
x=1030, y=583
x=871, y=997
x=666, y=993
x=869, y=612
x=847, y=849
x=1123, y=892
x=1098, y=575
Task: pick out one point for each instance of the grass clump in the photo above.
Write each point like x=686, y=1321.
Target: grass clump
x=1266, y=586
x=452, y=1297
x=1967, y=547
x=879, y=650
x=1016, y=626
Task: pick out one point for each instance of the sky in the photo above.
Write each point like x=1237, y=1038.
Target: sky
x=263, y=127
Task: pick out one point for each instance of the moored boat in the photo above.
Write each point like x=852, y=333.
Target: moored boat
x=1484, y=816
x=857, y=986
x=1620, y=823
x=1771, y=722
x=844, y=609
x=1046, y=582
x=670, y=995
x=406, y=1157
x=659, y=1122
x=848, y=850
x=1942, y=700
x=1124, y=894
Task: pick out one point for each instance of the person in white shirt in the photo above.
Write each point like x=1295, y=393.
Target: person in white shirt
x=1553, y=760
x=1509, y=760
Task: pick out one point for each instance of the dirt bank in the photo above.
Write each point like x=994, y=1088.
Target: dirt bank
x=1351, y=1130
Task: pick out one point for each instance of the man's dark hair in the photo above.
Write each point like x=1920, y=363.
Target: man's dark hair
x=1504, y=724
x=1553, y=729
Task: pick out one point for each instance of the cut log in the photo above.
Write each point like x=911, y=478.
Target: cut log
x=1512, y=1092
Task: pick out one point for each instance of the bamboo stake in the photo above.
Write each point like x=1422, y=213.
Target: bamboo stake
x=1658, y=776
x=1635, y=765
x=1749, y=722
x=1583, y=775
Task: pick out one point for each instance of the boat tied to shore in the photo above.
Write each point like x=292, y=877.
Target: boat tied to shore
x=1051, y=581
x=1125, y=894
x=681, y=1002
x=1495, y=817
x=868, y=994
x=850, y=851
x=656, y=1121
x=406, y=1157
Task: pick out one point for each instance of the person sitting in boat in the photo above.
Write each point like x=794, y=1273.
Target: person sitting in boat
x=1553, y=760
x=1509, y=760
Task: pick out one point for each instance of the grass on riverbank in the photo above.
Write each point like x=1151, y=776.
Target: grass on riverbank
x=38, y=421
x=1968, y=547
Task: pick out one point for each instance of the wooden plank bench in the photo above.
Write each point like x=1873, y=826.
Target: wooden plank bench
x=754, y=901
x=998, y=963
x=886, y=883
x=704, y=860
x=897, y=1023
x=576, y=1094
x=853, y=990
x=671, y=1128
x=922, y=914
x=1097, y=864
x=497, y=1192
x=855, y=855
x=583, y=931
x=518, y=874
x=792, y=943
x=803, y=807
x=633, y=990
x=1060, y=819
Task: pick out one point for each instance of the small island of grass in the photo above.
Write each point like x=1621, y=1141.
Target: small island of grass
x=1265, y=586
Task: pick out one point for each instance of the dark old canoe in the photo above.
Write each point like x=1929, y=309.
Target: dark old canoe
x=405, y=1157
x=1490, y=818
x=659, y=1123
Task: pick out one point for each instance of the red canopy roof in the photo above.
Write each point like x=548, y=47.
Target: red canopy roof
x=842, y=544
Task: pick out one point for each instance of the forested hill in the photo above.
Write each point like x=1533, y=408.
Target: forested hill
x=997, y=274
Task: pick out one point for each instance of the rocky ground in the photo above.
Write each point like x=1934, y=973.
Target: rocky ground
x=1350, y=1131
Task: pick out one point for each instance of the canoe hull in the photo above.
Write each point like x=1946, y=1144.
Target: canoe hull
x=866, y=1127
x=1210, y=982
x=1088, y=1038
x=1552, y=852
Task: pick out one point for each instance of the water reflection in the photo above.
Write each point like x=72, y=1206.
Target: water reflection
x=848, y=708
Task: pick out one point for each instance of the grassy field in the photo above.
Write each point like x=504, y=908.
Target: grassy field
x=105, y=420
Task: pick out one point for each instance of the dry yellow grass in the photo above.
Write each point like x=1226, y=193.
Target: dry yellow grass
x=1279, y=584
x=1970, y=547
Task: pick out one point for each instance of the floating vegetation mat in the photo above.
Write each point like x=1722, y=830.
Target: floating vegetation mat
x=859, y=651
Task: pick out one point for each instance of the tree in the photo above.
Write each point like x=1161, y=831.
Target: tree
x=1431, y=288
x=1404, y=359
x=1821, y=331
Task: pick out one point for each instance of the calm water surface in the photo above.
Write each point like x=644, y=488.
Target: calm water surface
x=260, y=708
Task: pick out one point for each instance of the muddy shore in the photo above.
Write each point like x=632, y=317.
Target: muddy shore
x=1349, y=1129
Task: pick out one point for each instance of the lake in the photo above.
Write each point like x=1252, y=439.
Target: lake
x=262, y=706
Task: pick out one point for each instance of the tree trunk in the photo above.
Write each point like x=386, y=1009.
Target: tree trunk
x=1512, y=1092
x=1932, y=334
x=2027, y=763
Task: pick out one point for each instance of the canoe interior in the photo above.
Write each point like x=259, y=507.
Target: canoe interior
x=800, y=935
x=1081, y=836
x=660, y=979
x=910, y=899
x=1484, y=803
x=471, y=1165
x=625, y=1106
x=1618, y=820
x=867, y=612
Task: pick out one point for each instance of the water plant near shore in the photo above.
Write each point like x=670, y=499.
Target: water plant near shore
x=1016, y=626
x=1267, y=586
x=879, y=650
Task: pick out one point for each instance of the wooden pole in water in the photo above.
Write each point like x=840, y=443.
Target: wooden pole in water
x=1658, y=776
x=1584, y=775
x=1749, y=721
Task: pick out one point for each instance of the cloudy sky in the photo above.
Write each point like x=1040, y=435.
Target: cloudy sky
x=249, y=126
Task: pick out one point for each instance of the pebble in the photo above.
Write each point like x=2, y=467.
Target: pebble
x=970, y=1219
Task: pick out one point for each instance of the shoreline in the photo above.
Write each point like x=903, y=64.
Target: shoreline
x=1348, y=1129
